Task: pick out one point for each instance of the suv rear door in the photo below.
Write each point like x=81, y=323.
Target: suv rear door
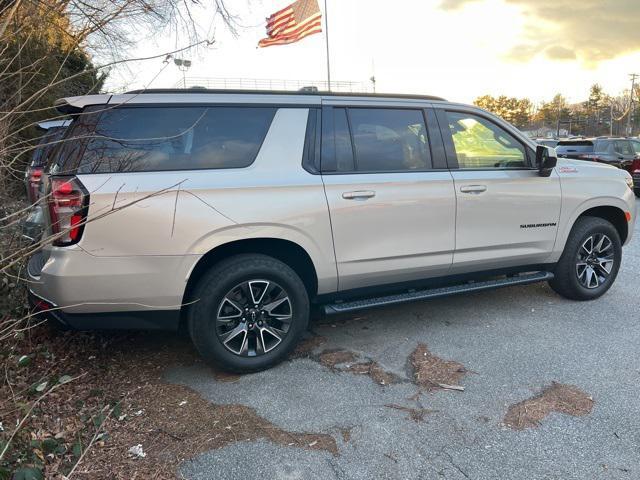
x=506, y=213
x=392, y=212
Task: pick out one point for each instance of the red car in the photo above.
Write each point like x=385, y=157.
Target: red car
x=634, y=168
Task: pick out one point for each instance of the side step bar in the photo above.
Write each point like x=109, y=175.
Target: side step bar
x=425, y=294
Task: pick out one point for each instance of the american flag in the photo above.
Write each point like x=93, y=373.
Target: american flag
x=300, y=19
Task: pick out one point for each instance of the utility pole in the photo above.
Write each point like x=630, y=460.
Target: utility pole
x=633, y=86
x=558, y=119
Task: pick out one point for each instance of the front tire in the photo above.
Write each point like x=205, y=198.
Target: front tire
x=249, y=313
x=590, y=261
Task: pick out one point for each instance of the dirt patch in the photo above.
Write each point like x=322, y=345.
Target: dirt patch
x=306, y=347
x=415, y=414
x=557, y=397
x=118, y=400
x=332, y=358
x=176, y=425
x=346, y=361
x=431, y=372
x=375, y=371
x=346, y=434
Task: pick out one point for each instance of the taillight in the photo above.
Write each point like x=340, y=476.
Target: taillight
x=68, y=208
x=34, y=179
x=593, y=158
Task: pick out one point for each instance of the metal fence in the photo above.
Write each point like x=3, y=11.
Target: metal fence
x=271, y=84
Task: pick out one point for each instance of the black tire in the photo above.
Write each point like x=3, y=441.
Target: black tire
x=568, y=282
x=212, y=290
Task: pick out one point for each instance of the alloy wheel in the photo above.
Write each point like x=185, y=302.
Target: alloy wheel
x=254, y=317
x=596, y=258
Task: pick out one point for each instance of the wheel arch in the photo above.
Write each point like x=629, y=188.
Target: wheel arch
x=286, y=251
x=611, y=209
x=613, y=215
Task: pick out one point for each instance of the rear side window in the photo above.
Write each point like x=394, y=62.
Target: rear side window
x=342, y=139
x=389, y=139
x=136, y=139
x=376, y=140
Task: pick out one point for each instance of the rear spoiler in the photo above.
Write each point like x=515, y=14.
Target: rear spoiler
x=74, y=105
x=53, y=124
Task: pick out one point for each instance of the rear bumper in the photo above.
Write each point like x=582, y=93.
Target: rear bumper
x=87, y=291
x=133, y=320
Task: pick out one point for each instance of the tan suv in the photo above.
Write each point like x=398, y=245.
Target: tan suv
x=236, y=213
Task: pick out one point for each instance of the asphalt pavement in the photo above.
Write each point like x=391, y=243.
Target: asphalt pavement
x=512, y=342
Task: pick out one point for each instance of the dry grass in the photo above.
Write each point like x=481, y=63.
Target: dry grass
x=431, y=372
x=557, y=397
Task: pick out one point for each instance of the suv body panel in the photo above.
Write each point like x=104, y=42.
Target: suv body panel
x=579, y=180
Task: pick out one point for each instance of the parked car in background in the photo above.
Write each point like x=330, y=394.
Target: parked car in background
x=634, y=170
x=236, y=213
x=53, y=132
x=547, y=142
x=619, y=152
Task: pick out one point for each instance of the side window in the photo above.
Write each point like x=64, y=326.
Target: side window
x=342, y=139
x=623, y=147
x=389, y=139
x=480, y=143
x=133, y=139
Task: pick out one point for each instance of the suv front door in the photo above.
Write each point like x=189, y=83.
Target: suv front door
x=392, y=213
x=506, y=213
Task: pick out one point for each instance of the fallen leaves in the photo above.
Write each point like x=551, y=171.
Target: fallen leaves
x=346, y=361
x=557, y=397
x=433, y=373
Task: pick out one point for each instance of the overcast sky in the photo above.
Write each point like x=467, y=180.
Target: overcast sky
x=458, y=49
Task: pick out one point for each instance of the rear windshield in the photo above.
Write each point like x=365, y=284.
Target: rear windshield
x=576, y=146
x=145, y=139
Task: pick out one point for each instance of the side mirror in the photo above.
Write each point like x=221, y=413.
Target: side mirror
x=546, y=160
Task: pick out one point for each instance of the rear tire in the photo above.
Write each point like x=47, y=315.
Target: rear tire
x=590, y=261
x=249, y=313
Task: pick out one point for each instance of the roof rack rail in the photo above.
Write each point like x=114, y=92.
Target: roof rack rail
x=282, y=92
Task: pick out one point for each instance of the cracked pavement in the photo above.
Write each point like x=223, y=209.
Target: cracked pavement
x=512, y=342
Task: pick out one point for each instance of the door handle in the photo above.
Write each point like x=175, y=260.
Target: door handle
x=358, y=195
x=473, y=189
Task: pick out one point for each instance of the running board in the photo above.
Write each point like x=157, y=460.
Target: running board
x=426, y=294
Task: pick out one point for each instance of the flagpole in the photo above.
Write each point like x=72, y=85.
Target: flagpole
x=326, y=37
